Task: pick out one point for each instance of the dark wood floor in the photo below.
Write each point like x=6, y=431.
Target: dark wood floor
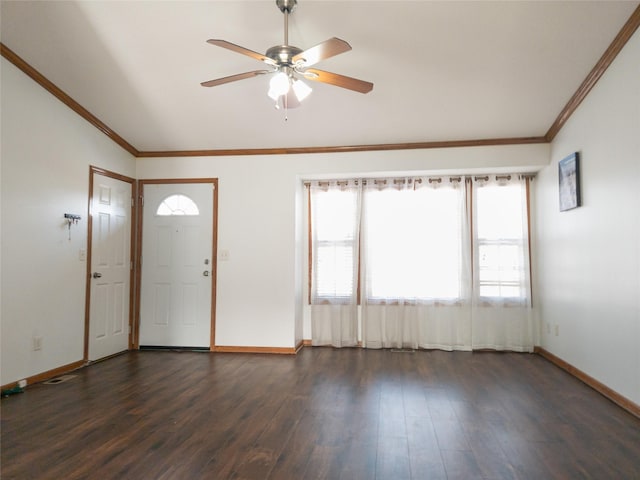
x=331, y=414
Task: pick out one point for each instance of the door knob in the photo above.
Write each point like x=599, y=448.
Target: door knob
x=205, y=273
x=97, y=275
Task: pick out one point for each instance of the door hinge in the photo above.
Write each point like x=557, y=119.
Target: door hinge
x=141, y=201
x=133, y=202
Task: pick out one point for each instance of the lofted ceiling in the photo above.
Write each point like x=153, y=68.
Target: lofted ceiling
x=442, y=71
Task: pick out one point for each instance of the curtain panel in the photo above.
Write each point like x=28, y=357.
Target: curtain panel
x=501, y=316
x=335, y=216
x=415, y=273
x=434, y=262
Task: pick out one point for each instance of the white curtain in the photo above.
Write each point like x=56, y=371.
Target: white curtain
x=335, y=219
x=434, y=262
x=415, y=270
x=502, y=317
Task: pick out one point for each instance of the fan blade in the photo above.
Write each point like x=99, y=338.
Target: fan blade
x=245, y=51
x=338, y=80
x=233, y=78
x=327, y=49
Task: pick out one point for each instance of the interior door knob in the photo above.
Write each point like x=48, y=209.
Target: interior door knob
x=97, y=275
x=205, y=273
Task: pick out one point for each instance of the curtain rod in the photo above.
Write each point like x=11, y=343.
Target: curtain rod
x=430, y=179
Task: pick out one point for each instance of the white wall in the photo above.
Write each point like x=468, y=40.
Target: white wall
x=46, y=152
x=260, y=222
x=589, y=258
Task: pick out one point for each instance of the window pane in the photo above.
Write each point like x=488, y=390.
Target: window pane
x=177, y=205
x=333, y=215
x=499, y=211
x=334, y=236
x=413, y=240
x=489, y=291
x=501, y=242
x=334, y=271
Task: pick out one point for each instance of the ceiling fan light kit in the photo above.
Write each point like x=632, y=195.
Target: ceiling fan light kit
x=289, y=65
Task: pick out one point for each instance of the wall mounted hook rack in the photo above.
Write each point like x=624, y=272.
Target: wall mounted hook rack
x=72, y=219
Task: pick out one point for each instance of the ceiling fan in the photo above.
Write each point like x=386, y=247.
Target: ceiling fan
x=289, y=65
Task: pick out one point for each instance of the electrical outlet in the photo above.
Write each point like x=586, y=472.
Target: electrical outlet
x=224, y=255
x=22, y=383
x=557, y=330
x=82, y=255
x=37, y=343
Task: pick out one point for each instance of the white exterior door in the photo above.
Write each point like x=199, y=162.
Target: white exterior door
x=110, y=267
x=176, y=282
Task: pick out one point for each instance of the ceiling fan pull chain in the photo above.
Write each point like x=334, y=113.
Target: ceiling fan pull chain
x=286, y=107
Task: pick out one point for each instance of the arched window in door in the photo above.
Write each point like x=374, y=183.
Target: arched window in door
x=177, y=204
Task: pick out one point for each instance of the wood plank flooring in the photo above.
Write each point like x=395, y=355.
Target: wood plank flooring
x=323, y=414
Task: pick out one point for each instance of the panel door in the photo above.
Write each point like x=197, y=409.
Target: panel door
x=110, y=267
x=176, y=283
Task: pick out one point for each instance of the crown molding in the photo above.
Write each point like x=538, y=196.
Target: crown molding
x=589, y=82
x=343, y=149
x=625, y=33
x=48, y=85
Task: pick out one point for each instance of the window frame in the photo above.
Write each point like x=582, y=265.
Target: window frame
x=311, y=258
x=477, y=242
x=473, y=247
x=178, y=197
x=460, y=298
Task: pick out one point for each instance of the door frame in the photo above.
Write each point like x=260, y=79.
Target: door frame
x=138, y=251
x=87, y=301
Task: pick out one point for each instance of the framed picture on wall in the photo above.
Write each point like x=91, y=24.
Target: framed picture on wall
x=569, y=182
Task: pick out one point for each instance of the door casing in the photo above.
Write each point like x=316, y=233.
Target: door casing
x=138, y=251
x=87, y=309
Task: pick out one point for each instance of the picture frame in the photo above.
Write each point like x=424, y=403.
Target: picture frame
x=569, y=182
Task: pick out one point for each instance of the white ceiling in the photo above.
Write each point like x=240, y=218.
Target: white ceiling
x=447, y=70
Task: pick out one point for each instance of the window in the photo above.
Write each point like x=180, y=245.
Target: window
x=501, y=240
x=177, y=205
x=413, y=242
x=334, y=212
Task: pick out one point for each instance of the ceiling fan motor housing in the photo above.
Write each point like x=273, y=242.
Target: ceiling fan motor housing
x=286, y=5
x=283, y=54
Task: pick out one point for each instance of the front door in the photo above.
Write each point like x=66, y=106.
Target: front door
x=110, y=274
x=177, y=265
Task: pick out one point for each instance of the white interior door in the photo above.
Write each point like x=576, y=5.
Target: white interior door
x=110, y=267
x=176, y=283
